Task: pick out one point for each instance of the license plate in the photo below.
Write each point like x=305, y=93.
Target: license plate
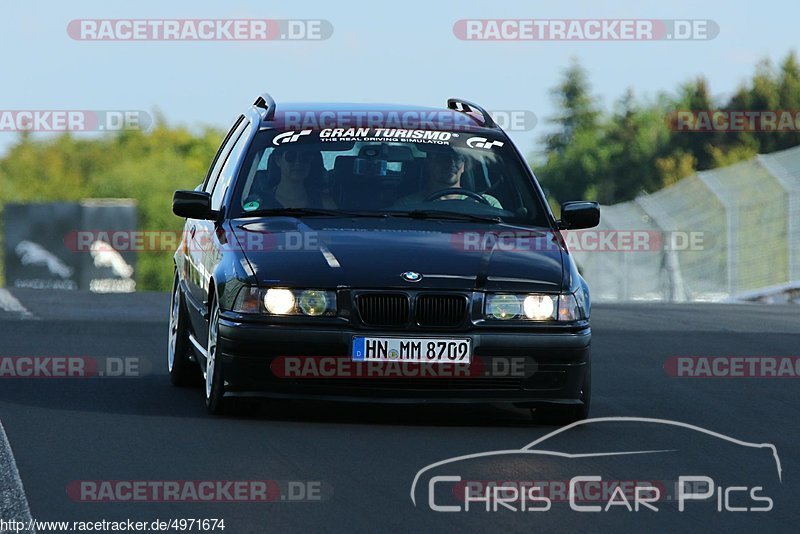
x=418, y=350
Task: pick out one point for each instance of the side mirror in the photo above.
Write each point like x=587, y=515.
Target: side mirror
x=192, y=205
x=579, y=214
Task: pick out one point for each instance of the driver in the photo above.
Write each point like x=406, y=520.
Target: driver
x=442, y=169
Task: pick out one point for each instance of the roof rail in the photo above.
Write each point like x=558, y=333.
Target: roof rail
x=465, y=106
x=267, y=103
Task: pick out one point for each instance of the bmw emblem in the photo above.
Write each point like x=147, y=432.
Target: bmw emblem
x=411, y=276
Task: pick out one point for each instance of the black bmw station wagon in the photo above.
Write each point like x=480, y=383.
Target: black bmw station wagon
x=343, y=252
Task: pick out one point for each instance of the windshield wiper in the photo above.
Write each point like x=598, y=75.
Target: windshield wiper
x=447, y=215
x=306, y=212
x=414, y=214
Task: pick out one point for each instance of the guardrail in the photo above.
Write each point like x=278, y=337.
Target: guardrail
x=780, y=294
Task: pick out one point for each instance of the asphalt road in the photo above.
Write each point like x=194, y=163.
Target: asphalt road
x=361, y=460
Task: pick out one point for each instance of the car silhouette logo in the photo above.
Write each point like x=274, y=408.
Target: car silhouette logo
x=411, y=276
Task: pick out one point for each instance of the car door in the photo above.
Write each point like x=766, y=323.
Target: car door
x=214, y=237
x=194, y=238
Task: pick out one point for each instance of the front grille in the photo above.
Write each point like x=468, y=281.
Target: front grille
x=383, y=309
x=441, y=310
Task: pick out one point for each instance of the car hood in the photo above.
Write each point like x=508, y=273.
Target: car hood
x=364, y=253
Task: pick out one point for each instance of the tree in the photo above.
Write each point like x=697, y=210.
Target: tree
x=694, y=96
x=613, y=158
x=789, y=97
x=634, y=136
x=145, y=166
x=573, y=151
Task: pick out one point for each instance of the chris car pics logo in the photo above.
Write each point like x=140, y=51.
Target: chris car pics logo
x=696, y=481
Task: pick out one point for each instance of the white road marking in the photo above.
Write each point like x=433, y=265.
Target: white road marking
x=13, y=502
x=9, y=303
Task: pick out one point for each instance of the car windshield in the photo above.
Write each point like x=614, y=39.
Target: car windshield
x=421, y=173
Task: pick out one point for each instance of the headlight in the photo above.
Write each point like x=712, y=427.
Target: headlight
x=313, y=302
x=279, y=301
x=538, y=307
x=533, y=307
x=284, y=301
x=503, y=306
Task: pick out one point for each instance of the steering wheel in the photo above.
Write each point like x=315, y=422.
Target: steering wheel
x=457, y=191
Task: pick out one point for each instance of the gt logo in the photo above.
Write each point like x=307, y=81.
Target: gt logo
x=482, y=142
x=289, y=137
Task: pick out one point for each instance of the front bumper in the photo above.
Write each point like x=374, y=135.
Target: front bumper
x=302, y=362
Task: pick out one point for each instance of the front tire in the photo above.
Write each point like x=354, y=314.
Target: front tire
x=182, y=371
x=216, y=403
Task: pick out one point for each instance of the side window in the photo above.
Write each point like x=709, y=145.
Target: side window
x=256, y=168
x=227, y=172
x=222, y=154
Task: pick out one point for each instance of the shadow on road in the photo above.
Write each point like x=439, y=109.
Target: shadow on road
x=153, y=396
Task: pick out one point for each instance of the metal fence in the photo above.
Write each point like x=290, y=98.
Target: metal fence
x=724, y=234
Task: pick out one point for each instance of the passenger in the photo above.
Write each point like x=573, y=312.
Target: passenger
x=294, y=179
